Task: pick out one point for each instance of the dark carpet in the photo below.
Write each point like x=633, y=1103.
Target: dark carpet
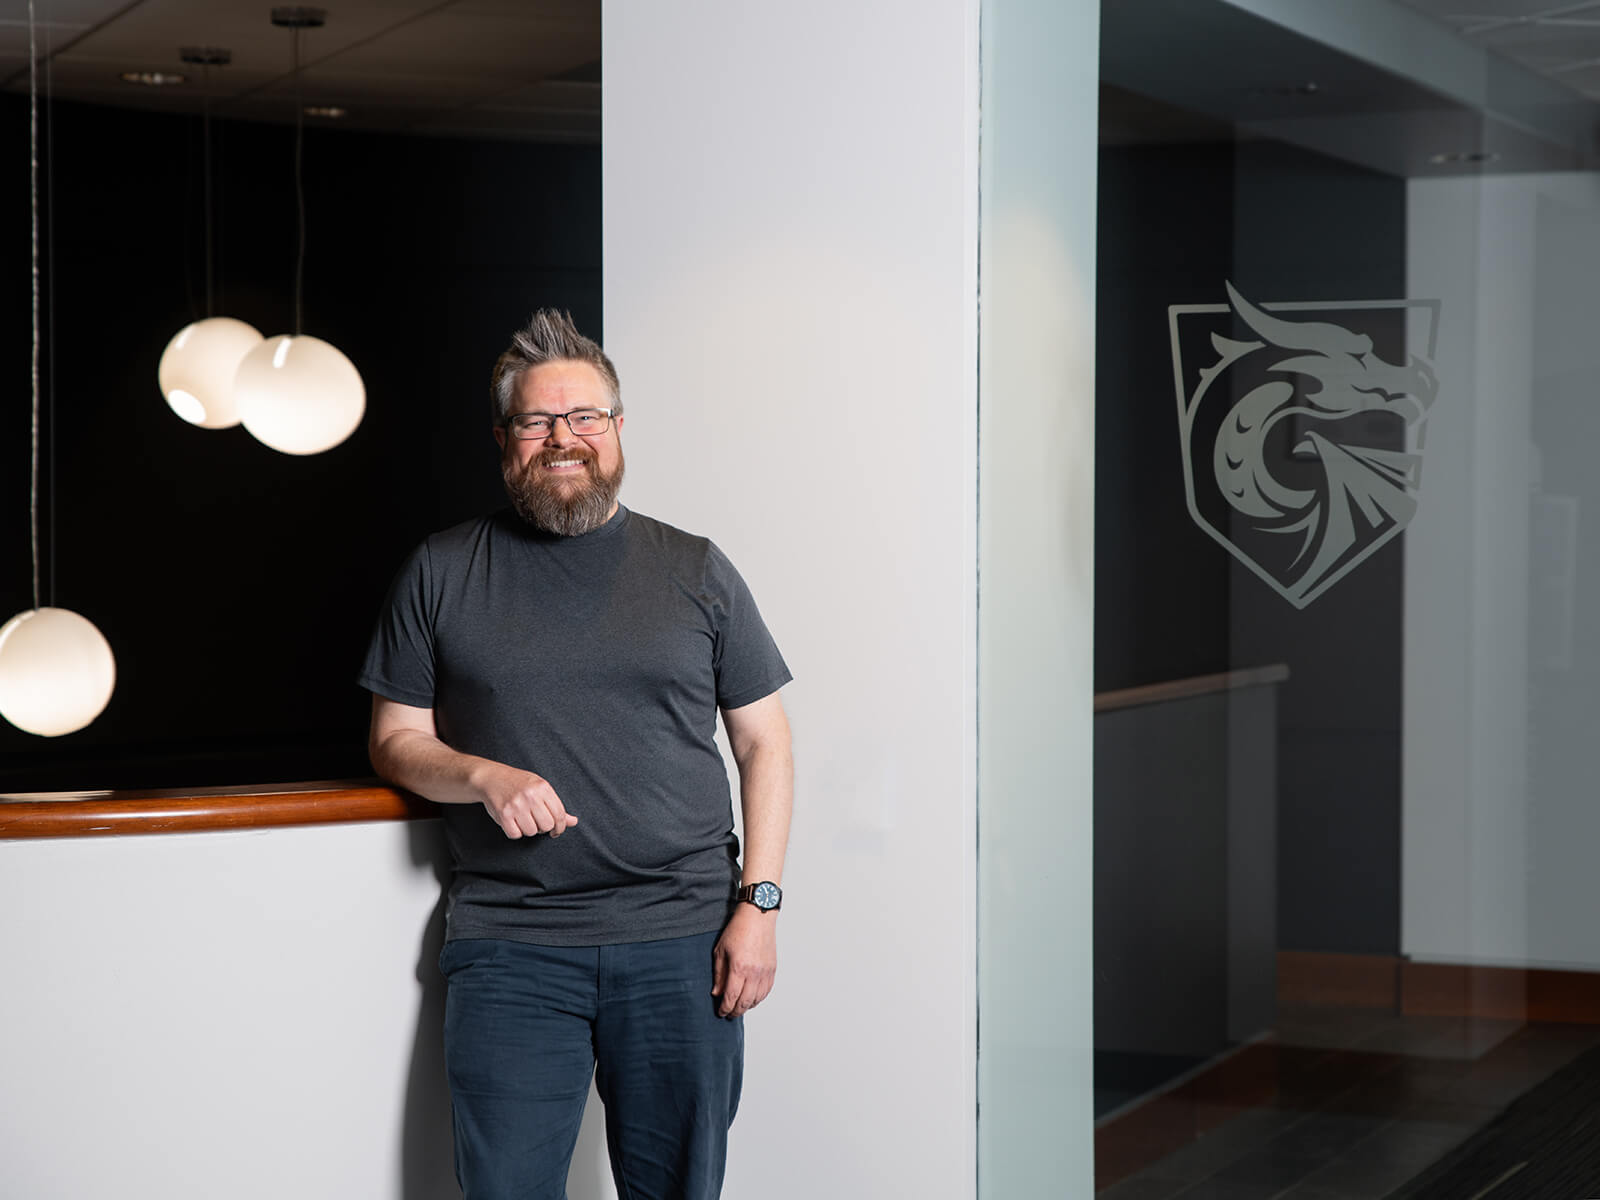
x=1544, y=1146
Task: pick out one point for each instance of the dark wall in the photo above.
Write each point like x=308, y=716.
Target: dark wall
x=1161, y=587
x=237, y=585
x=1282, y=225
x=1309, y=228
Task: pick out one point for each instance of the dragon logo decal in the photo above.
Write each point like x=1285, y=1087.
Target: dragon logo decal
x=1302, y=436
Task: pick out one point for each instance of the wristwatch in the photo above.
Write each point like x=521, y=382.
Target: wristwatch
x=766, y=895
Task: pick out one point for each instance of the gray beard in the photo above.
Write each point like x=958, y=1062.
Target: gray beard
x=565, y=513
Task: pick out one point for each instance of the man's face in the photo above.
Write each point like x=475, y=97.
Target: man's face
x=563, y=483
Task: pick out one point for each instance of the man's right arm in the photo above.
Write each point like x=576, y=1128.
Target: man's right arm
x=405, y=749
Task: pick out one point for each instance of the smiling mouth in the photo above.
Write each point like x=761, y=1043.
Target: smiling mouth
x=565, y=465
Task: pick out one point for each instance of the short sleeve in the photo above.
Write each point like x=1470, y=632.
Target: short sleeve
x=745, y=659
x=400, y=657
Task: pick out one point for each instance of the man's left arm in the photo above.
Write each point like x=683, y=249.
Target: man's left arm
x=746, y=957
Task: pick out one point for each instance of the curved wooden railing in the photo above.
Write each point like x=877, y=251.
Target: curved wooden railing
x=196, y=810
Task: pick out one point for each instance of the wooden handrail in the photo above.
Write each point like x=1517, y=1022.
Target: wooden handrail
x=196, y=810
x=1183, y=689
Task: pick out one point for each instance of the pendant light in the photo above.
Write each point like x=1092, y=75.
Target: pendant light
x=198, y=366
x=299, y=394
x=56, y=669
x=199, y=363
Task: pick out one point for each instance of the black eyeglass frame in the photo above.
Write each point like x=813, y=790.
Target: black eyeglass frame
x=511, y=423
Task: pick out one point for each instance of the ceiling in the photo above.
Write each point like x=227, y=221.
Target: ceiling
x=1559, y=41
x=530, y=69
x=1409, y=90
x=522, y=69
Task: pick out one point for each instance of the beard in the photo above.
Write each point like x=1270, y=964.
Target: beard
x=563, y=507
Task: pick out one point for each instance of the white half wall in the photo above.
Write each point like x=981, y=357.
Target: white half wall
x=252, y=1015
x=790, y=284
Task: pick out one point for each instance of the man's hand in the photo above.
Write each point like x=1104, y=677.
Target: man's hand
x=745, y=961
x=522, y=803
x=405, y=749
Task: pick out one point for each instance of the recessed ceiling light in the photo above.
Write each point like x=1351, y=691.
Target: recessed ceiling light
x=154, y=78
x=331, y=111
x=1464, y=156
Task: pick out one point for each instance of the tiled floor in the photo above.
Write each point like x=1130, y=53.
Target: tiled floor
x=1337, y=1105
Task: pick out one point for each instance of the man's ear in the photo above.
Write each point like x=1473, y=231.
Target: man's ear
x=500, y=437
x=620, y=419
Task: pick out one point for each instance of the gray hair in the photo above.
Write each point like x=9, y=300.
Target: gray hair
x=549, y=336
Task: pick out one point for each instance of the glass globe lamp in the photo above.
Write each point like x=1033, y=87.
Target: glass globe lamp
x=299, y=394
x=198, y=367
x=57, y=671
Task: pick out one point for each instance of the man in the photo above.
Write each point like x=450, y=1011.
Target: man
x=551, y=675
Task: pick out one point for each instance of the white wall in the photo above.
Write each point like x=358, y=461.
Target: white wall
x=790, y=257
x=223, y=1014
x=1499, y=815
x=790, y=228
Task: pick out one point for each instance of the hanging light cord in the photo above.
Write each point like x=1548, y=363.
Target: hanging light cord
x=299, y=187
x=205, y=133
x=33, y=181
x=50, y=299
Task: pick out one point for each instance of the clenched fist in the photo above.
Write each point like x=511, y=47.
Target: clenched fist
x=522, y=803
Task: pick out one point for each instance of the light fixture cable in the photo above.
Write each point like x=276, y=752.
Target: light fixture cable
x=299, y=188
x=205, y=161
x=50, y=290
x=33, y=187
x=206, y=57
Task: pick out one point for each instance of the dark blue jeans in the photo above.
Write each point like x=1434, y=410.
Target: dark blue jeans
x=526, y=1026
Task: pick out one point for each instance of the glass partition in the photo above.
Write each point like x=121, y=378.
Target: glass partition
x=1349, y=261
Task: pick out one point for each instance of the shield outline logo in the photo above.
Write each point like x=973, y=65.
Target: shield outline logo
x=1187, y=408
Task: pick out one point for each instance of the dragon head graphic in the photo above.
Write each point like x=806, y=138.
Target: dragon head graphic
x=1313, y=443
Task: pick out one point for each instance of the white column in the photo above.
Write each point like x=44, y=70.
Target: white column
x=1499, y=811
x=790, y=288
x=1470, y=244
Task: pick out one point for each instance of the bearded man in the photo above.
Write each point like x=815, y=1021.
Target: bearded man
x=551, y=675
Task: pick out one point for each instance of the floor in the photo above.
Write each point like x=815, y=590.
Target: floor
x=1339, y=1104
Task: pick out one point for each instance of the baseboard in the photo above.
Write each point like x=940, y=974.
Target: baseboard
x=1313, y=980
x=1501, y=993
x=1386, y=981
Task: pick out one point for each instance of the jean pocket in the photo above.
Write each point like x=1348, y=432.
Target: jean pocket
x=464, y=953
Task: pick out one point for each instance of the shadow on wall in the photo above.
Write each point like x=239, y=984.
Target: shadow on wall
x=427, y=1153
x=427, y=1159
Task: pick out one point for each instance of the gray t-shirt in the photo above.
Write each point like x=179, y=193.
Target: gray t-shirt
x=598, y=662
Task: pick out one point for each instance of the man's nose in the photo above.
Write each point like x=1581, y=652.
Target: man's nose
x=560, y=432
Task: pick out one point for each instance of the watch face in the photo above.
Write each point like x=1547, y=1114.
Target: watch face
x=766, y=896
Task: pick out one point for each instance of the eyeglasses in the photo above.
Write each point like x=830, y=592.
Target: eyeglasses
x=585, y=422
